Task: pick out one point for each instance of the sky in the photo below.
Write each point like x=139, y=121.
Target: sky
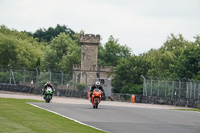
x=139, y=24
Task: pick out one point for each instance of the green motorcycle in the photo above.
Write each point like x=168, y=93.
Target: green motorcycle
x=48, y=94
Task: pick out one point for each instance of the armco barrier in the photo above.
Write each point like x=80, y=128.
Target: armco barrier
x=171, y=101
x=37, y=91
x=135, y=98
x=17, y=88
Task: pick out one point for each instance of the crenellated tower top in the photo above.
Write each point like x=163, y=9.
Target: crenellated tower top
x=90, y=39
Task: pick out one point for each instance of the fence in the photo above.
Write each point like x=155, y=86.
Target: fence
x=155, y=90
x=35, y=78
x=189, y=89
x=64, y=83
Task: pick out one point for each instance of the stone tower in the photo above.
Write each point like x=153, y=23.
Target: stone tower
x=89, y=52
x=89, y=70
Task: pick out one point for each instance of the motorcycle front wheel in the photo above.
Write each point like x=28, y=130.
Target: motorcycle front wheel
x=48, y=98
x=96, y=103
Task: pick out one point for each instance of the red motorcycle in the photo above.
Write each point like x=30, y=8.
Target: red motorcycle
x=96, y=97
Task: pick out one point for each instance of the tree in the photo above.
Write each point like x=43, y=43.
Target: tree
x=128, y=73
x=112, y=53
x=163, y=60
x=17, y=49
x=47, y=34
x=175, y=44
x=188, y=64
x=61, y=54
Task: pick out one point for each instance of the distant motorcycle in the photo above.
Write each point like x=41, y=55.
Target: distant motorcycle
x=48, y=94
x=96, y=97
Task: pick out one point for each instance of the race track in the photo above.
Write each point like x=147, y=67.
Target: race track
x=119, y=119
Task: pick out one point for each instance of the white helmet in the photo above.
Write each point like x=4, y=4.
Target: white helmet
x=97, y=83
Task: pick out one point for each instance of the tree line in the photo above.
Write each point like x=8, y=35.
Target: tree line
x=58, y=49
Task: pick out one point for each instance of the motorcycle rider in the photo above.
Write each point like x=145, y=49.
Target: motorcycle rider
x=97, y=85
x=48, y=84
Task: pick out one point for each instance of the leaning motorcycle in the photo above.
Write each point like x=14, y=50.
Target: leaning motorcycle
x=96, y=97
x=48, y=94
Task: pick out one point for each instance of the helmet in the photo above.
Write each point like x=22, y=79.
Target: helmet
x=97, y=83
x=48, y=83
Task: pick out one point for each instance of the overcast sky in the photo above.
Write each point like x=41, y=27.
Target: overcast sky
x=139, y=24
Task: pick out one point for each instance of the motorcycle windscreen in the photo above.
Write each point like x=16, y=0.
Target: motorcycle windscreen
x=49, y=89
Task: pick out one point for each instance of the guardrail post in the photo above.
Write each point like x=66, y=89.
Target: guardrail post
x=165, y=87
x=10, y=75
x=198, y=90
x=158, y=91
x=151, y=86
x=74, y=80
x=61, y=79
x=190, y=89
x=179, y=88
x=144, y=86
x=36, y=81
x=24, y=75
x=36, y=75
x=172, y=95
x=194, y=88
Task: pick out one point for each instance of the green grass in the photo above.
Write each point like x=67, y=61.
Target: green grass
x=198, y=110
x=16, y=116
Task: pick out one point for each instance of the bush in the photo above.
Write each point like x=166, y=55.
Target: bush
x=80, y=86
x=18, y=77
x=4, y=77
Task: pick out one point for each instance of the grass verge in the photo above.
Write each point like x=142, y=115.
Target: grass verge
x=198, y=110
x=17, y=116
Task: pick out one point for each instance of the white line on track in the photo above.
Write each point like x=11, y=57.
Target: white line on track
x=67, y=117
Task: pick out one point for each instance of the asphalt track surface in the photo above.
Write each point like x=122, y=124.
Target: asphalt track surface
x=120, y=117
x=117, y=119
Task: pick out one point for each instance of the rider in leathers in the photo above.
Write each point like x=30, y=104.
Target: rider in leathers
x=97, y=85
x=48, y=84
